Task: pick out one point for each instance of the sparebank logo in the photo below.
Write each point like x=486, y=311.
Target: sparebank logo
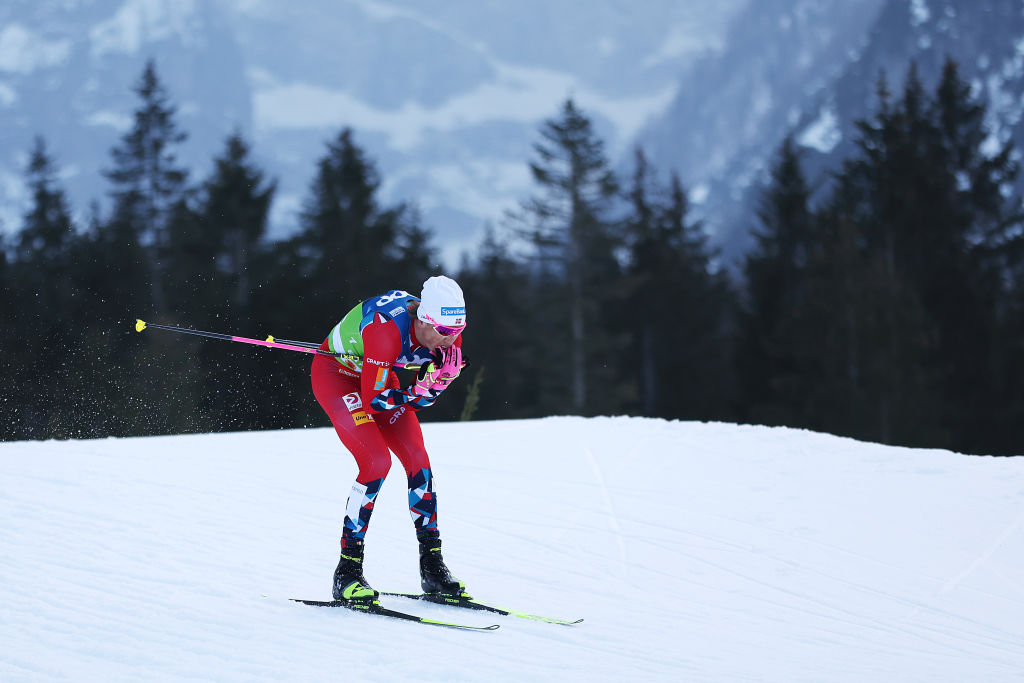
x=461, y=310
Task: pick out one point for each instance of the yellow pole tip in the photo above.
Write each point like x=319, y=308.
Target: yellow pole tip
x=270, y=338
x=140, y=325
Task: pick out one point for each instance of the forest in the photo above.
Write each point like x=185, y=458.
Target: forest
x=884, y=302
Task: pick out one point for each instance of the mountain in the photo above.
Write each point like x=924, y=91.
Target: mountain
x=734, y=107
x=814, y=78
x=693, y=552
x=445, y=96
x=67, y=70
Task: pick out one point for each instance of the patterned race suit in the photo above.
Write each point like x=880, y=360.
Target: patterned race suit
x=371, y=413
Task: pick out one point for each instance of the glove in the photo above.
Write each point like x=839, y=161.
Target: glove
x=435, y=376
x=425, y=378
x=449, y=365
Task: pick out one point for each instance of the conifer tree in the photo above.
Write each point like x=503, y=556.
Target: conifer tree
x=774, y=274
x=43, y=297
x=213, y=254
x=232, y=222
x=680, y=303
x=347, y=239
x=935, y=211
x=47, y=233
x=575, y=240
x=148, y=183
x=500, y=342
x=971, y=276
x=414, y=255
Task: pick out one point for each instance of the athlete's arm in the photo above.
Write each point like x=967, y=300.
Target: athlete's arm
x=379, y=387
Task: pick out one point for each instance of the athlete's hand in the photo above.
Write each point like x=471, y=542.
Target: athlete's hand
x=449, y=364
x=425, y=378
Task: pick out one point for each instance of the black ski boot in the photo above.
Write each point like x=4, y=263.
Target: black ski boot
x=349, y=583
x=434, y=575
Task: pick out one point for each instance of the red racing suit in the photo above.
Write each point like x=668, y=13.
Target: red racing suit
x=371, y=414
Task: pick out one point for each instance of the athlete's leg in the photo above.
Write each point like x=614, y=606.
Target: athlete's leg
x=338, y=395
x=403, y=435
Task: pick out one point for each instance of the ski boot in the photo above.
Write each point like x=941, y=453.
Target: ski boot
x=434, y=575
x=349, y=583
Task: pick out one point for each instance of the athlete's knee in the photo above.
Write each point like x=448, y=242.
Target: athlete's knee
x=373, y=471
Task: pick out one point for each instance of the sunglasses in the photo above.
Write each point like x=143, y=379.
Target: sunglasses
x=448, y=331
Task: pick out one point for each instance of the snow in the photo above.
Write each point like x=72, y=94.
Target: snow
x=697, y=552
x=823, y=133
x=681, y=42
x=919, y=12
x=459, y=185
x=526, y=95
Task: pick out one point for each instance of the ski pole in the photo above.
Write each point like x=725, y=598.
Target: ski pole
x=270, y=341
x=306, y=347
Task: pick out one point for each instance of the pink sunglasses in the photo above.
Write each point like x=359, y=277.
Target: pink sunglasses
x=448, y=331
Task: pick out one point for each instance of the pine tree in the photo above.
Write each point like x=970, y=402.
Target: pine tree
x=47, y=233
x=500, y=341
x=970, y=284
x=148, y=183
x=218, y=262
x=43, y=298
x=414, y=257
x=231, y=222
x=774, y=274
x=347, y=240
x=575, y=242
x=680, y=302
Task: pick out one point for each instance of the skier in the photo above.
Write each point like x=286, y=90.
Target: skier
x=372, y=414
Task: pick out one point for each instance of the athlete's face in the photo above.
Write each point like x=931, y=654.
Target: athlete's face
x=431, y=338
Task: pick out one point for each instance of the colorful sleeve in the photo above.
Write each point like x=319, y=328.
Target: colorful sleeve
x=379, y=385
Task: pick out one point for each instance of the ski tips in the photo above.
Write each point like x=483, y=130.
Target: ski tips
x=140, y=325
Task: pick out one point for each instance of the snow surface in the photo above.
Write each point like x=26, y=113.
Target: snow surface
x=696, y=552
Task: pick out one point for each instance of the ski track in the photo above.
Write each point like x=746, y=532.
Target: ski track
x=697, y=552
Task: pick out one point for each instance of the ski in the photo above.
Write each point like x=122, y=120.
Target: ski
x=375, y=608
x=467, y=602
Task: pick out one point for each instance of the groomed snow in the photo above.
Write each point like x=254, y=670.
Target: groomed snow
x=695, y=552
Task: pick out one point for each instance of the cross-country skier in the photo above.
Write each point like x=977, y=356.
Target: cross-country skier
x=373, y=415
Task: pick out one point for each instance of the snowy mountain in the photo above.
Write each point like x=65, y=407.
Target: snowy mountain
x=695, y=552
x=445, y=96
x=734, y=107
x=810, y=68
x=67, y=70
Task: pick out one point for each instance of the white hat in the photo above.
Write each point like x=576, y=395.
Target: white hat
x=442, y=303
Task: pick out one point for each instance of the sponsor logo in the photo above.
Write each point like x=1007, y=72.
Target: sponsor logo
x=460, y=310
x=397, y=414
x=361, y=418
x=377, y=362
x=382, y=379
x=396, y=310
x=352, y=401
x=396, y=294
